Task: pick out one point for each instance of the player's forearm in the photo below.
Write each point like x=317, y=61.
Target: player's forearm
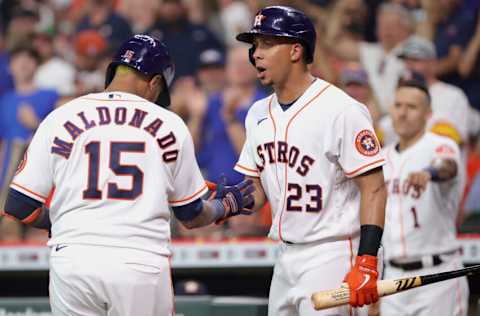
x=373, y=198
x=469, y=57
x=442, y=170
x=209, y=214
x=259, y=194
x=450, y=63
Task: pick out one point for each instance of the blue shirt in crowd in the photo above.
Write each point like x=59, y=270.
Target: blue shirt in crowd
x=6, y=80
x=13, y=134
x=217, y=154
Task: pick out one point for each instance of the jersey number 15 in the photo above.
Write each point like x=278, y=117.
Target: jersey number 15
x=92, y=191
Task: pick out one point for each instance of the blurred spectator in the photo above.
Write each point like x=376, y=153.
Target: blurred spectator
x=21, y=110
x=394, y=26
x=453, y=27
x=211, y=71
x=450, y=108
x=141, y=14
x=90, y=48
x=183, y=38
x=472, y=190
x=6, y=80
x=235, y=17
x=53, y=72
x=21, y=28
x=469, y=67
x=346, y=22
x=354, y=81
x=221, y=134
x=100, y=16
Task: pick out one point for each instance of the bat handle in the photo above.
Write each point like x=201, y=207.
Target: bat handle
x=331, y=298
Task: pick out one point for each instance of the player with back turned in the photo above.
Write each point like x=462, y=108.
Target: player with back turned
x=424, y=189
x=117, y=161
x=311, y=151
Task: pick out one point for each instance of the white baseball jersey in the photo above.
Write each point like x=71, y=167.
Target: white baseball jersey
x=117, y=162
x=449, y=106
x=419, y=223
x=305, y=156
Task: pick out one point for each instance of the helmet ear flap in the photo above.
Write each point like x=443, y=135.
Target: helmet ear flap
x=251, y=51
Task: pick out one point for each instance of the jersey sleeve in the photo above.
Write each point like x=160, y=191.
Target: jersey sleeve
x=358, y=146
x=34, y=175
x=188, y=182
x=447, y=149
x=246, y=162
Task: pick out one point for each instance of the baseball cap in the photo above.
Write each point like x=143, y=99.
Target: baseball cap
x=354, y=74
x=90, y=43
x=417, y=47
x=211, y=57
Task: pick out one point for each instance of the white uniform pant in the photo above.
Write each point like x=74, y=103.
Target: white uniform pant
x=95, y=280
x=303, y=269
x=446, y=298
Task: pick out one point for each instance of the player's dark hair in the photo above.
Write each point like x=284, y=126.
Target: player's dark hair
x=415, y=80
x=29, y=50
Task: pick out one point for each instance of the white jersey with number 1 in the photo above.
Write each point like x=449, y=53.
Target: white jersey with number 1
x=421, y=222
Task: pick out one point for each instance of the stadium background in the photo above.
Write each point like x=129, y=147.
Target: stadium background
x=54, y=50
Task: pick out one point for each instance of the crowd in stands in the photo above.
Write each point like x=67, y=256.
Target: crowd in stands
x=54, y=50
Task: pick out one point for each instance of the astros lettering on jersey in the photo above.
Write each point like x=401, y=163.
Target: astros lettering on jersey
x=304, y=157
x=109, y=191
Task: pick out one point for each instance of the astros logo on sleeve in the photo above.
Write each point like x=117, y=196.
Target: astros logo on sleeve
x=366, y=143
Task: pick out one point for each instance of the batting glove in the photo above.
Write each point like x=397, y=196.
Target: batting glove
x=362, y=281
x=235, y=199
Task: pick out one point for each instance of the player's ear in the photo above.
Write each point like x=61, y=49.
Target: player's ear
x=296, y=52
x=156, y=82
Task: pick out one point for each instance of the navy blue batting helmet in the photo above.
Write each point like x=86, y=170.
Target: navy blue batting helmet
x=283, y=21
x=147, y=55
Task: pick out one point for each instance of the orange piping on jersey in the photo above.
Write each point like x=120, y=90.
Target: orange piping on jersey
x=189, y=197
x=364, y=166
x=247, y=169
x=30, y=218
x=114, y=100
x=48, y=202
x=286, y=165
x=29, y=191
x=22, y=164
x=274, y=139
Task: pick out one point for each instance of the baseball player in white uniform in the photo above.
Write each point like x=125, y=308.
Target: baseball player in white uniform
x=117, y=162
x=424, y=191
x=311, y=151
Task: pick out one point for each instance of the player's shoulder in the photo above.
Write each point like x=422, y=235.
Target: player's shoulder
x=436, y=140
x=259, y=109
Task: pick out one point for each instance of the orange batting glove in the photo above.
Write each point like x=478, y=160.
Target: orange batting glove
x=362, y=281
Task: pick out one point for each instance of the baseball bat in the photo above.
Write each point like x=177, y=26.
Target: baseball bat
x=341, y=296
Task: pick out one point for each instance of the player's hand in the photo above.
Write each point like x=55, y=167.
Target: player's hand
x=236, y=199
x=362, y=281
x=419, y=180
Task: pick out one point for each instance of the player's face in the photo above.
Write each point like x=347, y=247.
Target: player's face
x=273, y=56
x=410, y=112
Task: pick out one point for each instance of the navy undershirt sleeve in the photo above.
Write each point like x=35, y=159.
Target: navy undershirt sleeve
x=188, y=211
x=20, y=205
